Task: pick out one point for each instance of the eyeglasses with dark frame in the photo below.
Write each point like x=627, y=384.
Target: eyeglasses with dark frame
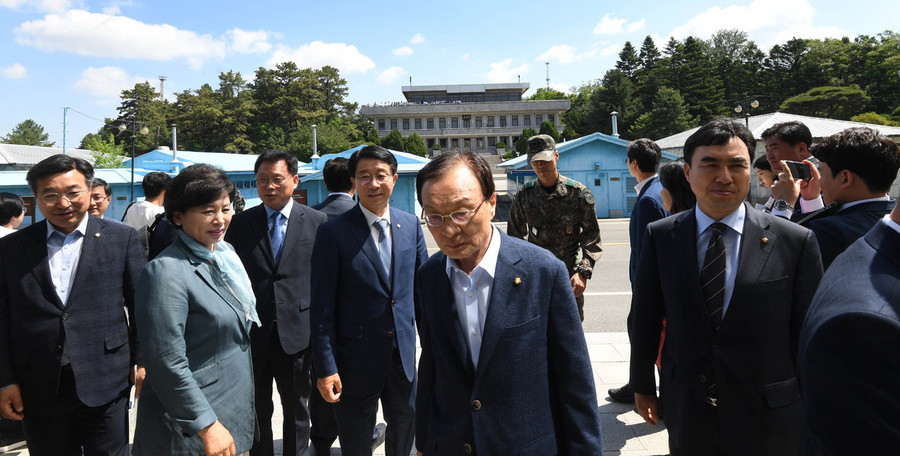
x=54, y=198
x=264, y=181
x=458, y=217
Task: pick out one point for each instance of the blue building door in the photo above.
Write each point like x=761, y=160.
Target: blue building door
x=598, y=185
x=616, y=194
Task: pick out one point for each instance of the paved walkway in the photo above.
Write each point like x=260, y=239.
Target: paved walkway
x=624, y=432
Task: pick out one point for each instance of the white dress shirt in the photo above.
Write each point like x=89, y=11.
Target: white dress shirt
x=732, y=239
x=472, y=293
x=63, y=253
x=371, y=218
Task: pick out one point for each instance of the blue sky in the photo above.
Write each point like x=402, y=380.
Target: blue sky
x=83, y=53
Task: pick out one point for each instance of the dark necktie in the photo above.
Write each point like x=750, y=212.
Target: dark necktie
x=276, y=234
x=712, y=276
x=384, y=246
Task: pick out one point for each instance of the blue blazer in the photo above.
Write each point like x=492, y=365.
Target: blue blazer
x=34, y=325
x=357, y=314
x=648, y=208
x=533, y=390
x=197, y=352
x=754, y=353
x=282, y=290
x=836, y=231
x=849, y=342
x=335, y=205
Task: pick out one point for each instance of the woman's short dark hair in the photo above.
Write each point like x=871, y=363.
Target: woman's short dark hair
x=194, y=186
x=11, y=205
x=671, y=176
x=441, y=165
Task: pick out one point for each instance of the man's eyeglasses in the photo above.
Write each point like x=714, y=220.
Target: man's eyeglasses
x=275, y=180
x=378, y=178
x=54, y=198
x=458, y=217
x=97, y=198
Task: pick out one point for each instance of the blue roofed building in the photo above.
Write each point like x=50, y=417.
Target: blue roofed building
x=598, y=161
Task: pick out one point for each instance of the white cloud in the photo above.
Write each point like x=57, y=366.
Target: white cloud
x=612, y=49
x=465, y=57
x=106, y=83
x=14, y=71
x=417, y=38
x=613, y=25
x=391, y=75
x=560, y=86
x=764, y=20
x=503, y=71
x=403, y=51
x=564, y=54
x=102, y=35
x=317, y=54
x=45, y=6
x=249, y=42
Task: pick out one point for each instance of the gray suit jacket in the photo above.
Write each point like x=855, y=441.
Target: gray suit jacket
x=197, y=356
x=335, y=205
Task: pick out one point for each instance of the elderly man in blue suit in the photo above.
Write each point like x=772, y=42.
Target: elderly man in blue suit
x=67, y=350
x=363, y=309
x=504, y=366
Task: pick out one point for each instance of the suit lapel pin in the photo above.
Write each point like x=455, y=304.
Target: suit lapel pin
x=96, y=235
x=517, y=281
x=765, y=240
x=398, y=226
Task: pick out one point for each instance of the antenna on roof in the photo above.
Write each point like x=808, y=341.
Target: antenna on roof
x=162, y=88
x=548, y=74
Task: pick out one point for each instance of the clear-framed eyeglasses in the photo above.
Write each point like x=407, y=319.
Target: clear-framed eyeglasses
x=458, y=217
x=54, y=198
x=264, y=181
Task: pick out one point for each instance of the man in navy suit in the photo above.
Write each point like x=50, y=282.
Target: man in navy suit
x=67, y=350
x=849, y=343
x=340, y=188
x=856, y=169
x=363, y=309
x=643, y=160
x=274, y=241
x=733, y=284
x=504, y=366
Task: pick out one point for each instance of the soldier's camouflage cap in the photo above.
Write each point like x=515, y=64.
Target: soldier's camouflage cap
x=541, y=147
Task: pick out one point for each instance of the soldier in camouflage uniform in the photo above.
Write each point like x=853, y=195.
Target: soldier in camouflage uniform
x=557, y=213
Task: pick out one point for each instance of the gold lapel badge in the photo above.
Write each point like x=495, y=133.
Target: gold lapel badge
x=765, y=240
x=517, y=281
x=96, y=234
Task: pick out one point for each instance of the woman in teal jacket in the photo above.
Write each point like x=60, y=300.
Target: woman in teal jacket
x=194, y=309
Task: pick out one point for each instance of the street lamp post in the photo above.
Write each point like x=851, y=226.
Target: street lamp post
x=750, y=103
x=134, y=131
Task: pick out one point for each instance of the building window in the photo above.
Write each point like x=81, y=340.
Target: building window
x=430, y=123
x=467, y=144
x=443, y=143
x=381, y=124
x=443, y=123
x=538, y=119
x=492, y=140
x=527, y=119
x=430, y=142
x=467, y=121
x=454, y=122
x=479, y=143
x=515, y=121
x=478, y=123
x=454, y=143
x=502, y=121
x=550, y=118
x=393, y=124
x=490, y=121
x=406, y=124
x=418, y=123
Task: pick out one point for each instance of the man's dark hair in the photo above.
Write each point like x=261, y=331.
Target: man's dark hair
x=791, y=132
x=196, y=185
x=646, y=153
x=56, y=164
x=275, y=156
x=154, y=183
x=11, y=205
x=445, y=162
x=336, y=175
x=376, y=152
x=762, y=163
x=97, y=182
x=671, y=176
x=718, y=133
x=865, y=152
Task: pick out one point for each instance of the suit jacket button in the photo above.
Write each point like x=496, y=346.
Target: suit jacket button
x=476, y=405
x=65, y=315
x=59, y=349
x=393, y=303
x=702, y=378
x=467, y=448
x=390, y=334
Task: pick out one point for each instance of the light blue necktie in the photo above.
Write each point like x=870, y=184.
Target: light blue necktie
x=384, y=245
x=276, y=234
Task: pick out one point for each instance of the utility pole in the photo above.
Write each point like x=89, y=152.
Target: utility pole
x=162, y=88
x=548, y=74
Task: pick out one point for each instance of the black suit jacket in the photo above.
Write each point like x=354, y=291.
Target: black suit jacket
x=753, y=355
x=835, y=231
x=851, y=342
x=34, y=325
x=282, y=291
x=335, y=205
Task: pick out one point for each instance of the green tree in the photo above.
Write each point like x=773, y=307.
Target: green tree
x=569, y=133
x=522, y=143
x=548, y=128
x=393, y=141
x=546, y=93
x=616, y=93
x=414, y=144
x=142, y=103
x=628, y=62
x=649, y=54
x=738, y=62
x=668, y=116
x=829, y=102
x=28, y=133
x=874, y=118
x=107, y=154
x=693, y=74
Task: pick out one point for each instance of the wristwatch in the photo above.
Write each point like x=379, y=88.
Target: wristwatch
x=783, y=205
